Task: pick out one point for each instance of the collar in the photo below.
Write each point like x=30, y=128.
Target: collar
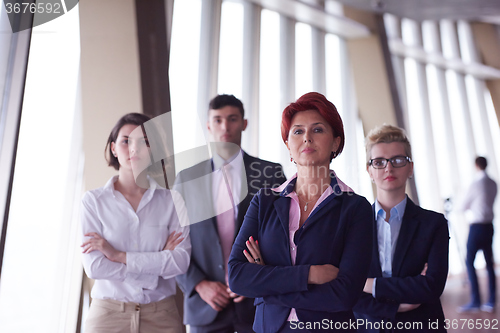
x=110, y=185
x=236, y=161
x=480, y=174
x=396, y=211
x=336, y=184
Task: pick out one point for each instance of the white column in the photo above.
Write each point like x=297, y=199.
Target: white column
x=476, y=89
x=441, y=113
x=353, y=156
x=459, y=105
x=393, y=30
x=422, y=137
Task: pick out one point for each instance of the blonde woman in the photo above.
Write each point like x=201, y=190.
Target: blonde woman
x=409, y=265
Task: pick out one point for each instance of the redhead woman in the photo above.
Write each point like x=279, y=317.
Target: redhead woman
x=136, y=240
x=304, y=248
x=410, y=246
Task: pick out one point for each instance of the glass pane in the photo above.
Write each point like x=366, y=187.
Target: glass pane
x=495, y=132
x=335, y=92
x=5, y=37
x=188, y=131
x=443, y=157
x=303, y=59
x=231, y=49
x=476, y=100
x=334, y=88
x=495, y=135
x=459, y=111
x=417, y=128
x=270, y=114
x=42, y=271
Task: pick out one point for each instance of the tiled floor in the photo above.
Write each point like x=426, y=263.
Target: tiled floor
x=456, y=293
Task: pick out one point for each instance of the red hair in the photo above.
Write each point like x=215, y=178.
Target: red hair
x=318, y=102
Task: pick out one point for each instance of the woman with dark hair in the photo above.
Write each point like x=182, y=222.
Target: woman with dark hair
x=409, y=264
x=136, y=240
x=308, y=267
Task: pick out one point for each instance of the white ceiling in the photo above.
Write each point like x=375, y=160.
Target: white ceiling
x=472, y=10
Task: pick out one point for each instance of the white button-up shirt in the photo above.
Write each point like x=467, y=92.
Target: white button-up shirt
x=148, y=275
x=479, y=199
x=237, y=174
x=387, y=234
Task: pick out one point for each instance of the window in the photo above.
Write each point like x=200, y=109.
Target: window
x=350, y=165
x=188, y=131
x=42, y=259
x=231, y=49
x=270, y=120
x=443, y=70
x=303, y=56
x=5, y=49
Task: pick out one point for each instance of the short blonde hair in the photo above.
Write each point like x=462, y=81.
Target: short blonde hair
x=386, y=134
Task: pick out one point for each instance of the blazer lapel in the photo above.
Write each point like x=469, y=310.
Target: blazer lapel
x=376, y=255
x=282, y=206
x=331, y=202
x=209, y=186
x=408, y=227
x=320, y=211
x=243, y=206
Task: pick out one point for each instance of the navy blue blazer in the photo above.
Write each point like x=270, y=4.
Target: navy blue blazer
x=423, y=238
x=338, y=232
x=207, y=262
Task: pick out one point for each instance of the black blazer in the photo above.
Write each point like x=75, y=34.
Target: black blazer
x=423, y=238
x=206, y=252
x=337, y=232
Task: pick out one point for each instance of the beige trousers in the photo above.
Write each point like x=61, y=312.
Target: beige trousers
x=109, y=316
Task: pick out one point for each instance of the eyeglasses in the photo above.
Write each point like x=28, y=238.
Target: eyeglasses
x=396, y=162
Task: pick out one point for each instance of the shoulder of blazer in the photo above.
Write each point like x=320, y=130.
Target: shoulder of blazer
x=266, y=196
x=268, y=192
x=350, y=200
x=198, y=170
x=353, y=204
x=265, y=173
x=353, y=200
x=249, y=159
x=417, y=212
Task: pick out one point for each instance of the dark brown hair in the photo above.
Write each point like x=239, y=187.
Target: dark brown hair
x=128, y=119
x=481, y=162
x=220, y=101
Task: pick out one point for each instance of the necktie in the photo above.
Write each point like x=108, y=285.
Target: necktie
x=225, y=214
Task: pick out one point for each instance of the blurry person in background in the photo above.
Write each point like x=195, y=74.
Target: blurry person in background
x=304, y=248
x=235, y=176
x=136, y=240
x=479, y=204
x=409, y=265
